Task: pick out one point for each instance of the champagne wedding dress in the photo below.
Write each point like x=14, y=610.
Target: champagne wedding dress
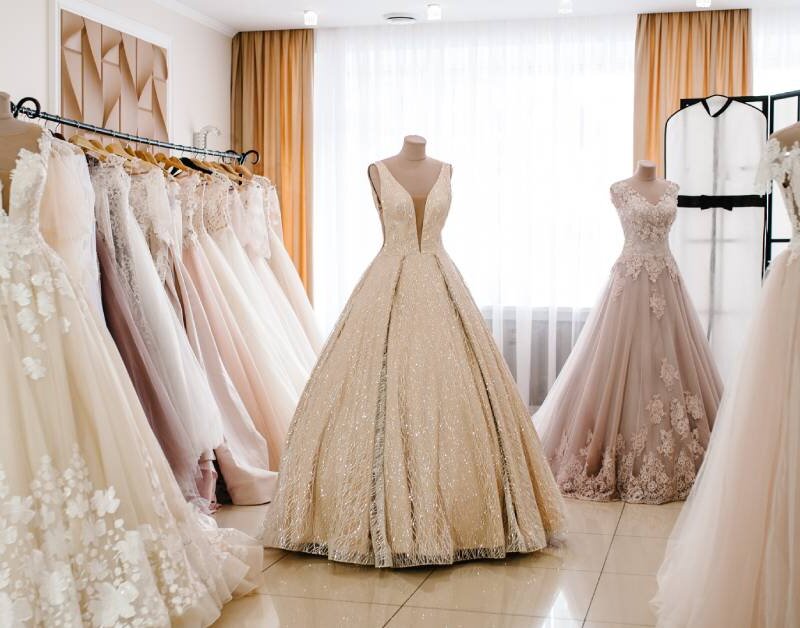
x=734, y=559
x=410, y=444
x=630, y=415
x=93, y=528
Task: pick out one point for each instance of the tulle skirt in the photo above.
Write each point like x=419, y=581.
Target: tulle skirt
x=734, y=556
x=286, y=274
x=630, y=414
x=94, y=529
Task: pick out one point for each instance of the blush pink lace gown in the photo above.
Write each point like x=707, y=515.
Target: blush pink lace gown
x=410, y=444
x=734, y=556
x=630, y=415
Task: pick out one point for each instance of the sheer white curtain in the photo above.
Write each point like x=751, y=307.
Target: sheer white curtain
x=536, y=118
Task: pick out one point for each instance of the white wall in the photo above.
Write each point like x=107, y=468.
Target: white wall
x=199, y=76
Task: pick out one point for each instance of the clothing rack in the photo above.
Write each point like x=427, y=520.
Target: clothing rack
x=36, y=112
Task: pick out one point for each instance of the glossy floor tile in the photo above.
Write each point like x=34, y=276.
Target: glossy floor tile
x=508, y=587
x=315, y=577
x=268, y=611
x=409, y=617
x=646, y=520
x=637, y=555
x=602, y=576
x=592, y=517
x=624, y=598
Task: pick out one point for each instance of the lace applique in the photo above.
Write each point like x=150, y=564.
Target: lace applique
x=694, y=406
x=215, y=204
x=189, y=196
x=669, y=374
x=679, y=418
x=67, y=558
x=27, y=296
x=657, y=304
x=655, y=410
x=782, y=165
x=667, y=446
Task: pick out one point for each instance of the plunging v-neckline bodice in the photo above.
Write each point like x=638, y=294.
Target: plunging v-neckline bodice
x=399, y=214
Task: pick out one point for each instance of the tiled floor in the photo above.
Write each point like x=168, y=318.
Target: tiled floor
x=603, y=577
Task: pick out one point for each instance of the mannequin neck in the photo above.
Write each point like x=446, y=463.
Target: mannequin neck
x=5, y=106
x=645, y=171
x=413, y=148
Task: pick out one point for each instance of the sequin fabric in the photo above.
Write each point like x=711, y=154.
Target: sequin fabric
x=631, y=413
x=410, y=444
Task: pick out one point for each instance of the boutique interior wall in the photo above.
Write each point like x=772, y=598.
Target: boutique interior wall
x=200, y=58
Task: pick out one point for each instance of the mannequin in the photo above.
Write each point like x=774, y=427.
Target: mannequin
x=414, y=170
x=14, y=135
x=644, y=181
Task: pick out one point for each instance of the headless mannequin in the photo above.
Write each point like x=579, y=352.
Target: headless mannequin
x=14, y=135
x=414, y=170
x=644, y=181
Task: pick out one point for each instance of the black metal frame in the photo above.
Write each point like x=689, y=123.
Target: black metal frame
x=36, y=113
x=770, y=241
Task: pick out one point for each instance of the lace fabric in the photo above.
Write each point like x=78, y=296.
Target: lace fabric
x=94, y=531
x=782, y=165
x=639, y=434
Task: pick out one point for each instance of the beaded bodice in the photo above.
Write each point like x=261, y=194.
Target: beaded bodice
x=250, y=221
x=646, y=227
x=216, y=198
x=398, y=216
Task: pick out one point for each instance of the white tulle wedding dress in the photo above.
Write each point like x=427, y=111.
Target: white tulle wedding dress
x=94, y=530
x=734, y=556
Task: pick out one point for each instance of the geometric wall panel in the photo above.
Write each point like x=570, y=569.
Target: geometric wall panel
x=112, y=79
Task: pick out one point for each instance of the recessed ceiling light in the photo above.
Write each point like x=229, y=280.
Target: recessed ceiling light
x=703, y=4
x=434, y=12
x=399, y=18
x=310, y=18
x=564, y=7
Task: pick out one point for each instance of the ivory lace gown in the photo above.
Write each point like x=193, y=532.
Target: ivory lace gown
x=95, y=531
x=630, y=415
x=410, y=444
x=734, y=559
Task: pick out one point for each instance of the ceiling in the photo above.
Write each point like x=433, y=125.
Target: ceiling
x=251, y=15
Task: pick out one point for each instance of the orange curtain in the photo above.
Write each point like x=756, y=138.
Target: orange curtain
x=271, y=109
x=686, y=55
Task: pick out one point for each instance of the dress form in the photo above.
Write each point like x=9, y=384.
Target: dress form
x=414, y=170
x=14, y=134
x=644, y=181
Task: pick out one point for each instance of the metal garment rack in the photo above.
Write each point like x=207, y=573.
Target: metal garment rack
x=35, y=112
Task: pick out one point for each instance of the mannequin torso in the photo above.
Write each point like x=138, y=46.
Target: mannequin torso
x=644, y=181
x=14, y=135
x=414, y=170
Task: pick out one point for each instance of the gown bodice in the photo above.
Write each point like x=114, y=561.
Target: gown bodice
x=782, y=165
x=216, y=198
x=398, y=216
x=646, y=227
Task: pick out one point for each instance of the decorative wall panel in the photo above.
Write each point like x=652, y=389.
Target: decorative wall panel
x=112, y=79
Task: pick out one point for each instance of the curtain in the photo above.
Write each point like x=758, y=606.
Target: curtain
x=535, y=116
x=686, y=55
x=271, y=111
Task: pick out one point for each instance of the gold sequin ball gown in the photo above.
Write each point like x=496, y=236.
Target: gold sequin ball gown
x=410, y=444
x=94, y=530
x=631, y=412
